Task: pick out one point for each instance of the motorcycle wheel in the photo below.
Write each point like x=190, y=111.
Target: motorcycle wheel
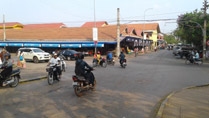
x=16, y=81
x=200, y=62
x=104, y=64
x=94, y=87
x=113, y=63
x=187, y=62
x=94, y=64
x=50, y=79
x=77, y=91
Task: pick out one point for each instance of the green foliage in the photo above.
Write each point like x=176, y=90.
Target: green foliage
x=189, y=27
x=170, y=39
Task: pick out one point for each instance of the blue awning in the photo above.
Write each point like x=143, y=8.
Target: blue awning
x=71, y=45
x=15, y=44
x=92, y=45
x=3, y=44
x=50, y=45
x=32, y=45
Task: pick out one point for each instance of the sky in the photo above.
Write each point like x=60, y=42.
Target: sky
x=76, y=12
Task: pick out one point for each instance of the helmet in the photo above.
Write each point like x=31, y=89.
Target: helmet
x=80, y=56
x=98, y=52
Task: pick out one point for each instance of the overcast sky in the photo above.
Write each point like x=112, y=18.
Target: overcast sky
x=76, y=12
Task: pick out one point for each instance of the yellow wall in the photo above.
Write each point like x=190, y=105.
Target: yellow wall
x=154, y=38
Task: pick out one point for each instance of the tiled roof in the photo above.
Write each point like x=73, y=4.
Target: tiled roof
x=105, y=33
x=48, y=25
x=98, y=24
x=10, y=24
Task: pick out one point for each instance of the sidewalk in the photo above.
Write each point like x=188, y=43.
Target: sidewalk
x=188, y=103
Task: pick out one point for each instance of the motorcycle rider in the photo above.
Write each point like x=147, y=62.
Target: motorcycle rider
x=80, y=69
x=56, y=61
x=121, y=57
x=7, y=68
x=109, y=56
x=98, y=57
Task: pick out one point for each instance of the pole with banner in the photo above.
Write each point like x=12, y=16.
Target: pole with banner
x=95, y=38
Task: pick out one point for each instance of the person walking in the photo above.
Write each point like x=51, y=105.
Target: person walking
x=21, y=60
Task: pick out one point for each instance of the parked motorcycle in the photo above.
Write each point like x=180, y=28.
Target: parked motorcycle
x=63, y=67
x=102, y=63
x=190, y=59
x=13, y=79
x=80, y=84
x=52, y=74
x=123, y=64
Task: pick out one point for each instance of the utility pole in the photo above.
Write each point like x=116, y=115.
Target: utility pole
x=4, y=28
x=118, y=32
x=95, y=28
x=205, y=7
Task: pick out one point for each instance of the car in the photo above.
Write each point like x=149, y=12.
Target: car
x=69, y=54
x=176, y=50
x=34, y=54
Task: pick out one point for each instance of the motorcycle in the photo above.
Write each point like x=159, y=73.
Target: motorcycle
x=190, y=59
x=63, y=64
x=102, y=63
x=111, y=61
x=80, y=84
x=13, y=79
x=52, y=74
x=123, y=64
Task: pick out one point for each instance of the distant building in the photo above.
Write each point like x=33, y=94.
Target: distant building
x=47, y=25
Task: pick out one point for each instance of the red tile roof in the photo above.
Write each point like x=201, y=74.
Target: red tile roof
x=105, y=33
x=10, y=24
x=98, y=24
x=48, y=25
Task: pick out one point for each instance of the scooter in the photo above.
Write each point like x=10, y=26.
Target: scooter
x=52, y=74
x=102, y=63
x=111, y=61
x=12, y=80
x=123, y=64
x=80, y=84
x=191, y=60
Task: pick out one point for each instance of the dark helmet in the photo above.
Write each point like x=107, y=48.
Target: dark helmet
x=80, y=56
x=121, y=52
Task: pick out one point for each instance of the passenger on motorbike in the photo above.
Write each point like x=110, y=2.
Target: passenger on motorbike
x=7, y=68
x=121, y=57
x=80, y=69
x=56, y=61
x=197, y=56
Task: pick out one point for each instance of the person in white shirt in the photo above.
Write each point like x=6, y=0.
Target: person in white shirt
x=56, y=61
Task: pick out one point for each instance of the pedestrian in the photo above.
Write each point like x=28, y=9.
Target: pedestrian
x=21, y=60
x=136, y=51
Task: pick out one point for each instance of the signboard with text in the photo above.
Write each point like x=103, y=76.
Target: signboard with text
x=95, y=34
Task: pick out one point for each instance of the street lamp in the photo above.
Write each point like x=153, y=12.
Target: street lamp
x=144, y=38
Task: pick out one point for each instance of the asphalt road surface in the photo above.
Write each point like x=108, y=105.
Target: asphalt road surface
x=132, y=92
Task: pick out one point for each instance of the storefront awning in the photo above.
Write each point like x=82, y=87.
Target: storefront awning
x=32, y=45
x=92, y=45
x=51, y=45
x=15, y=44
x=71, y=45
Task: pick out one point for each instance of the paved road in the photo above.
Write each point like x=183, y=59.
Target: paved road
x=121, y=93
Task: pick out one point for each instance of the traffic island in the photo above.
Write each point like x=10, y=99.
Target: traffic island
x=190, y=102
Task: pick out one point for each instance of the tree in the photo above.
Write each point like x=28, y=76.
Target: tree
x=190, y=27
x=170, y=39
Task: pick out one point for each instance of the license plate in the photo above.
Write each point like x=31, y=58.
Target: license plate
x=75, y=83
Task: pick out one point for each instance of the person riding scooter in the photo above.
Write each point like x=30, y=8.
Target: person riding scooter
x=80, y=69
x=56, y=61
x=7, y=68
x=109, y=56
x=121, y=57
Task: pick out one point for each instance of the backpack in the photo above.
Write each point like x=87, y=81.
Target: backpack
x=21, y=58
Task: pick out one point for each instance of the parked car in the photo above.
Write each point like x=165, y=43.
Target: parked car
x=69, y=54
x=176, y=50
x=34, y=54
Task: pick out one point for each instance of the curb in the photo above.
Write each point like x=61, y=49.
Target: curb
x=33, y=79
x=159, y=113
